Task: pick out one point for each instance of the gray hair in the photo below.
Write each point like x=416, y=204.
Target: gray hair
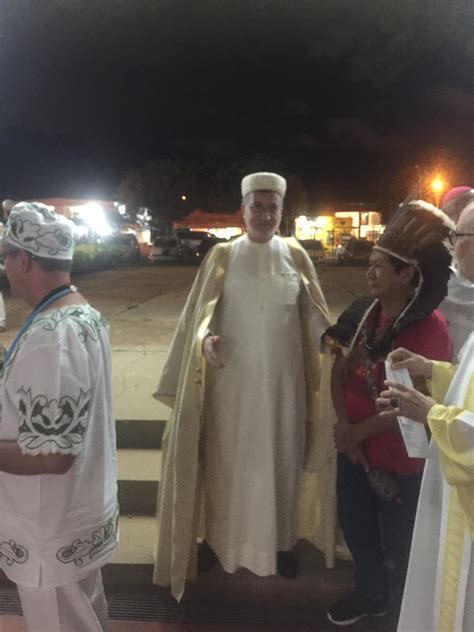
x=455, y=207
x=53, y=265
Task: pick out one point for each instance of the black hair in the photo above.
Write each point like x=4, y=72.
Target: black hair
x=435, y=272
x=398, y=265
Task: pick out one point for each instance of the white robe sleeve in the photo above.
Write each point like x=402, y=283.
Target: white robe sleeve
x=316, y=320
x=50, y=387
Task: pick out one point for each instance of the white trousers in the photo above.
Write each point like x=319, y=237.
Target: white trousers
x=76, y=607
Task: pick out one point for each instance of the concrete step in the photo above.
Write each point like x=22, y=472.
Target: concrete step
x=137, y=540
x=142, y=434
x=137, y=498
x=136, y=464
x=135, y=376
x=139, y=473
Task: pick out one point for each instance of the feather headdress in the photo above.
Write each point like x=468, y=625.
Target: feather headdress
x=417, y=233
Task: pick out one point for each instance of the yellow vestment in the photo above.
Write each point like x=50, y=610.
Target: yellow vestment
x=440, y=581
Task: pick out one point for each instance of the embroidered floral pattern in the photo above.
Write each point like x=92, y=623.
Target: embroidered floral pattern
x=80, y=550
x=13, y=552
x=89, y=322
x=38, y=238
x=57, y=425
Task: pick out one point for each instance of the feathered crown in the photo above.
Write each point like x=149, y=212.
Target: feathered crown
x=417, y=234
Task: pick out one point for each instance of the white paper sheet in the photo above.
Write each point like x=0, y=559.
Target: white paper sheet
x=413, y=433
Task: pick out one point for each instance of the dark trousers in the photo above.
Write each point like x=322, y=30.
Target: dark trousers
x=378, y=532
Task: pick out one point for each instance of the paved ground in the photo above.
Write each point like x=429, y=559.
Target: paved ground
x=136, y=299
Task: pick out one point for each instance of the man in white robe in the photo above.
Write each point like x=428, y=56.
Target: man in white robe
x=439, y=590
x=6, y=208
x=58, y=463
x=458, y=306
x=256, y=406
x=254, y=403
x=456, y=200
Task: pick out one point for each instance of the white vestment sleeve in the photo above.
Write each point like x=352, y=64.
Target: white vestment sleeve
x=466, y=423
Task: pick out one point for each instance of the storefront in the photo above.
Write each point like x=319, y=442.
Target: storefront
x=334, y=228
x=222, y=225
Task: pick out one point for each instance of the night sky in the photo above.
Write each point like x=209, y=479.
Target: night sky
x=349, y=94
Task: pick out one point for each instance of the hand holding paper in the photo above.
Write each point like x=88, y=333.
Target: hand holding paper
x=415, y=364
x=413, y=407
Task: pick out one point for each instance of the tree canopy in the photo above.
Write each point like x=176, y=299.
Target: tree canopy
x=171, y=189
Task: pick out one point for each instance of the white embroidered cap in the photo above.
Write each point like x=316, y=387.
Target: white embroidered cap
x=263, y=181
x=39, y=230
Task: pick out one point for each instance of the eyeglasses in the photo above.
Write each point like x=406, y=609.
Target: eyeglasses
x=453, y=237
x=10, y=253
x=13, y=253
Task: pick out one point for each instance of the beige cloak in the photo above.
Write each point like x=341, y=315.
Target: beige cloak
x=182, y=387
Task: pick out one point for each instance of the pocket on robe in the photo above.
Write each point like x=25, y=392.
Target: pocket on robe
x=289, y=288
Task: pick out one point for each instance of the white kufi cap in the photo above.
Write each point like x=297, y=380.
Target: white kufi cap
x=36, y=228
x=263, y=181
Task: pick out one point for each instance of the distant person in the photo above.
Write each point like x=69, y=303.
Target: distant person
x=58, y=464
x=241, y=377
x=339, y=249
x=456, y=200
x=458, y=306
x=6, y=208
x=377, y=482
x=439, y=591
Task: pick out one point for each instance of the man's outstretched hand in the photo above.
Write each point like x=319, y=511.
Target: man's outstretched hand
x=210, y=349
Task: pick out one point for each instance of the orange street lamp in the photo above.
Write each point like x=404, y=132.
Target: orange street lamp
x=437, y=185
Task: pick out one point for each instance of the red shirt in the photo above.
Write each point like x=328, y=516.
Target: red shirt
x=428, y=337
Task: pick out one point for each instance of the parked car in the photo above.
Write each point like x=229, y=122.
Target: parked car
x=127, y=244
x=192, y=238
x=314, y=248
x=207, y=244
x=165, y=249
x=195, y=244
x=354, y=252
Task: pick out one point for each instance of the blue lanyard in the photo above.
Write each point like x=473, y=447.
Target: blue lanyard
x=41, y=307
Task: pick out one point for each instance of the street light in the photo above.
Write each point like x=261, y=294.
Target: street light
x=437, y=185
x=184, y=198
